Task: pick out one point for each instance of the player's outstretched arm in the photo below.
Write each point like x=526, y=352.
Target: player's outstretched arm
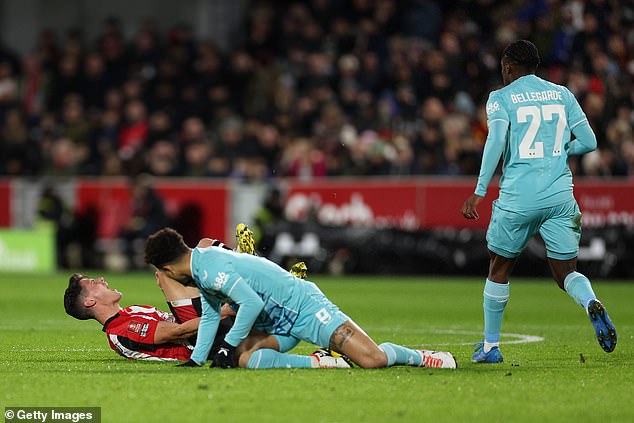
x=207, y=328
x=170, y=332
x=250, y=305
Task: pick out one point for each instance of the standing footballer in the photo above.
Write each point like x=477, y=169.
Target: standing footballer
x=534, y=125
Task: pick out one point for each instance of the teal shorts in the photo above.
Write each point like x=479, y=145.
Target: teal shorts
x=286, y=343
x=318, y=317
x=559, y=226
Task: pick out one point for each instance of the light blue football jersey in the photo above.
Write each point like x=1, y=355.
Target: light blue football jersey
x=540, y=117
x=217, y=270
x=223, y=276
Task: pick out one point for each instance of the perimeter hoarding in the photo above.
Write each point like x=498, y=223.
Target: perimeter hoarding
x=28, y=250
x=435, y=203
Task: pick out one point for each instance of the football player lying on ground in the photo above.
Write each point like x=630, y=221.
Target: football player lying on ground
x=142, y=332
x=270, y=299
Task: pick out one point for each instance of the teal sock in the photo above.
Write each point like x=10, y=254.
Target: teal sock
x=399, y=355
x=271, y=359
x=579, y=288
x=496, y=295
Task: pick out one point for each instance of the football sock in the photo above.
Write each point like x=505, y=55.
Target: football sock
x=496, y=295
x=271, y=359
x=579, y=288
x=399, y=355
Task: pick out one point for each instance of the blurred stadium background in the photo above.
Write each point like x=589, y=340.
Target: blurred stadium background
x=346, y=133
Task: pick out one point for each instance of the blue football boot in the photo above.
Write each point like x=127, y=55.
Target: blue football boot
x=493, y=356
x=605, y=331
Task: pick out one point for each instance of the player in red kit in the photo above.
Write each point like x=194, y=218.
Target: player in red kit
x=132, y=333
x=139, y=332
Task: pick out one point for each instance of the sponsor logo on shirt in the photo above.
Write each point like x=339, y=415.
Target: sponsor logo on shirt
x=221, y=280
x=323, y=316
x=493, y=107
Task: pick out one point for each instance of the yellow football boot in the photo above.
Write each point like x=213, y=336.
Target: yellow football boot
x=245, y=243
x=299, y=270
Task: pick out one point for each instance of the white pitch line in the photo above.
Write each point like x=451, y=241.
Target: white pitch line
x=15, y=349
x=520, y=338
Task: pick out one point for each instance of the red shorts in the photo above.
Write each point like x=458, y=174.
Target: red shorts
x=186, y=309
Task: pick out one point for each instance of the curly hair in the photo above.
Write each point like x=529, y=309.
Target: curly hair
x=73, y=298
x=164, y=247
x=523, y=53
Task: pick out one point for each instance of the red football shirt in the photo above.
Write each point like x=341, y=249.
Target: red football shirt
x=131, y=334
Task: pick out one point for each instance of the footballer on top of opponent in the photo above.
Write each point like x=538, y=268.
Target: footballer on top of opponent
x=142, y=332
x=530, y=124
x=272, y=300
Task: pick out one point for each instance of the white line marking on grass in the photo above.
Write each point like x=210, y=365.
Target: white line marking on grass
x=519, y=337
x=17, y=349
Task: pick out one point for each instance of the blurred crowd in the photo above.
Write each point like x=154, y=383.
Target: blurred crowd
x=310, y=89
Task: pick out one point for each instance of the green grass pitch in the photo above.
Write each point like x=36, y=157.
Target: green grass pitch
x=50, y=359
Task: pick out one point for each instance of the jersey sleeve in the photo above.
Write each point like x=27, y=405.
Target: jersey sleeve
x=585, y=140
x=250, y=305
x=498, y=123
x=207, y=328
x=575, y=113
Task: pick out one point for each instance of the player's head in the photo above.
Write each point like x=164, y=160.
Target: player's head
x=85, y=295
x=164, y=249
x=518, y=59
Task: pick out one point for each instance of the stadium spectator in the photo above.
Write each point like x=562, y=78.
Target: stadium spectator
x=8, y=89
x=147, y=215
x=317, y=71
x=17, y=150
x=52, y=208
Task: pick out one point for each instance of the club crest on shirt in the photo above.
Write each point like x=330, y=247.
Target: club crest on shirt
x=221, y=280
x=138, y=327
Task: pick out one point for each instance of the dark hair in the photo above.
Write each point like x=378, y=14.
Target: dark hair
x=73, y=298
x=164, y=247
x=523, y=53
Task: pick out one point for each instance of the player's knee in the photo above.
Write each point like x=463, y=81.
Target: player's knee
x=374, y=359
x=560, y=269
x=243, y=358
